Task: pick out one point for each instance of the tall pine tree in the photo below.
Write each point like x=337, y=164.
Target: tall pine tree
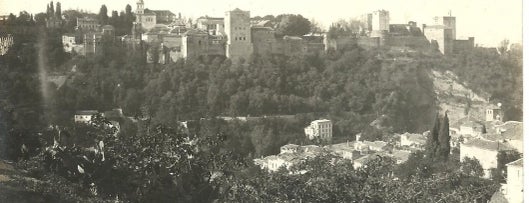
x=103, y=15
x=58, y=12
x=444, y=139
x=432, y=144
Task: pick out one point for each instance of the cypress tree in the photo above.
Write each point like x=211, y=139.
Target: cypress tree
x=444, y=138
x=52, y=10
x=432, y=144
x=58, y=11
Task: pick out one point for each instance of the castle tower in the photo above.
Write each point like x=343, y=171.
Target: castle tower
x=448, y=21
x=238, y=34
x=380, y=20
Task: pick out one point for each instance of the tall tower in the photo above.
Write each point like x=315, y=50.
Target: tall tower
x=137, y=25
x=140, y=10
x=380, y=20
x=238, y=33
x=448, y=21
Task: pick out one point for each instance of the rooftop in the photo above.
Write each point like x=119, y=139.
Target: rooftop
x=518, y=162
x=508, y=130
x=86, y=112
x=472, y=124
x=376, y=144
x=210, y=18
x=487, y=145
x=342, y=146
x=401, y=155
x=321, y=120
x=415, y=137
x=437, y=27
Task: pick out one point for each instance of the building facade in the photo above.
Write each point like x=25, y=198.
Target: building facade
x=87, y=24
x=493, y=113
x=319, y=129
x=440, y=36
x=238, y=35
x=513, y=189
x=380, y=21
x=485, y=151
x=84, y=116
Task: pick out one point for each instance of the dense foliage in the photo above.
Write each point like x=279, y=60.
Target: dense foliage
x=337, y=181
x=154, y=159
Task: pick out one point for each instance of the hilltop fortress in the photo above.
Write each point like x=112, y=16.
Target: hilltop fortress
x=238, y=37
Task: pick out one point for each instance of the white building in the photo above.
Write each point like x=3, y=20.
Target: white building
x=493, y=113
x=510, y=132
x=365, y=147
x=513, y=189
x=84, y=116
x=319, y=128
x=472, y=128
x=485, y=152
x=380, y=20
x=344, y=150
x=412, y=140
x=70, y=45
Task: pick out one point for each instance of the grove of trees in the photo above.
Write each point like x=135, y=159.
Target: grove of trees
x=154, y=159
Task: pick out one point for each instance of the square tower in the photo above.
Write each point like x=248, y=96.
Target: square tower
x=493, y=113
x=238, y=34
x=380, y=20
x=448, y=21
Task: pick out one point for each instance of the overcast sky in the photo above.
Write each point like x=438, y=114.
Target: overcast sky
x=489, y=21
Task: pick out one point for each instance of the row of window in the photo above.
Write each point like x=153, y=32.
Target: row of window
x=240, y=28
x=240, y=38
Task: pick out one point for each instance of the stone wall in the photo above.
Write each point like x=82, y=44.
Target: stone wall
x=419, y=42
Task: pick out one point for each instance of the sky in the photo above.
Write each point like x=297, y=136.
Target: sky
x=489, y=21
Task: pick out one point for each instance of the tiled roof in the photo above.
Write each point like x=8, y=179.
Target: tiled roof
x=401, y=155
x=415, y=137
x=518, y=162
x=377, y=144
x=341, y=146
x=163, y=12
x=508, y=130
x=436, y=27
x=488, y=145
x=86, y=112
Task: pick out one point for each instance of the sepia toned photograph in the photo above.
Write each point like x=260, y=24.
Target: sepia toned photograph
x=398, y=101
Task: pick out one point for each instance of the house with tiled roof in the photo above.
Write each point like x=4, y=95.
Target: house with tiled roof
x=485, y=151
x=412, y=140
x=510, y=132
x=84, y=116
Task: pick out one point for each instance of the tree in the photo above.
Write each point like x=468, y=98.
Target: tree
x=128, y=10
x=432, y=143
x=315, y=27
x=471, y=167
x=40, y=18
x=293, y=25
x=103, y=15
x=503, y=158
x=444, y=139
x=58, y=12
x=51, y=10
x=503, y=47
